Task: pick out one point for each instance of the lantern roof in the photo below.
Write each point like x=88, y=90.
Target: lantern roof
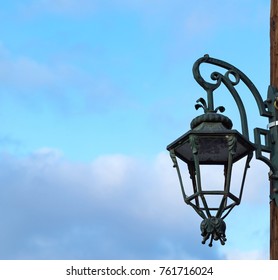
x=211, y=135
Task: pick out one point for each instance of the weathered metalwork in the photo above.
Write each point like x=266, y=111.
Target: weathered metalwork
x=212, y=141
x=230, y=84
x=213, y=228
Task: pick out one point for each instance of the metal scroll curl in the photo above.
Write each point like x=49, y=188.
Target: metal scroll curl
x=230, y=79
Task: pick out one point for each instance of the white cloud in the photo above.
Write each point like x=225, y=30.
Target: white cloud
x=257, y=183
x=26, y=74
x=246, y=255
x=112, y=171
x=64, y=209
x=22, y=72
x=56, y=84
x=115, y=207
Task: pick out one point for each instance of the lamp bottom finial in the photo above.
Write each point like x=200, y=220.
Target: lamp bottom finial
x=213, y=228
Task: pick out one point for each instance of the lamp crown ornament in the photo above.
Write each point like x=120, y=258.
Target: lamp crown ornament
x=205, y=106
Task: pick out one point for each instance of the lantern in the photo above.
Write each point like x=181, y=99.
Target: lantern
x=211, y=142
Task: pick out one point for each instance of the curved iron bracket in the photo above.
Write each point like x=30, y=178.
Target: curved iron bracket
x=230, y=84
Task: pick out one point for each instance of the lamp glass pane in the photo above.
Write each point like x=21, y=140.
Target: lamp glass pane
x=212, y=177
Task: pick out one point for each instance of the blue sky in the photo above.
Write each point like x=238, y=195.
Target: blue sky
x=92, y=92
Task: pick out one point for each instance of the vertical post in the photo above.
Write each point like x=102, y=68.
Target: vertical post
x=274, y=43
x=274, y=155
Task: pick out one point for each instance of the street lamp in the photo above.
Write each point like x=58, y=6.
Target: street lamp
x=212, y=142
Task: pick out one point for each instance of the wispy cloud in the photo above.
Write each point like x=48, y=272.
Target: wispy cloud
x=23, y=72
x=247, y=255
x=113, y=208
x=57, y=83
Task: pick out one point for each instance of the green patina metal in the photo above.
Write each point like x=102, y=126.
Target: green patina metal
x=212, y=141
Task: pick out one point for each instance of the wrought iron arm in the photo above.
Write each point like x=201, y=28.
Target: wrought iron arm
x=219, y=78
